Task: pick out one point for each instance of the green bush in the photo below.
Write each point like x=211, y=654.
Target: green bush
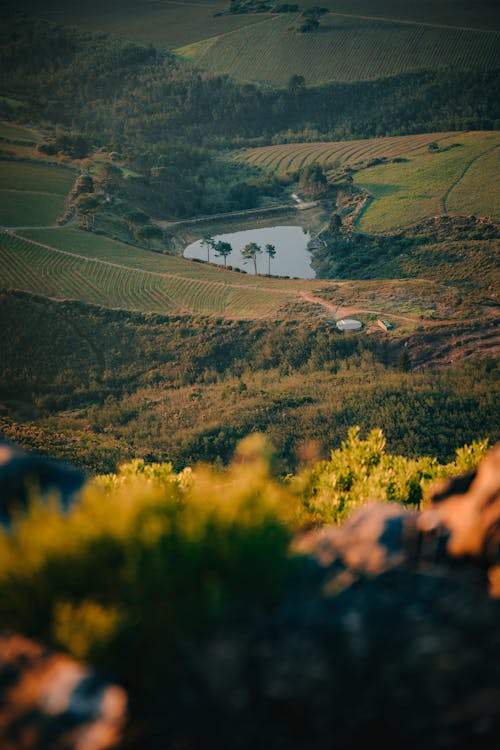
x=361, y=471
x=146, y=561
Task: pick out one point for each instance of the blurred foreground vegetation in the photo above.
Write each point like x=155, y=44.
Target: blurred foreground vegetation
x=148, y=561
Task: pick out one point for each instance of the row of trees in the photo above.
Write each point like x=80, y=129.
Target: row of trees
x=249, y=253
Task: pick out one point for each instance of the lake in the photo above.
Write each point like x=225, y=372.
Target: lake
x=292, y=257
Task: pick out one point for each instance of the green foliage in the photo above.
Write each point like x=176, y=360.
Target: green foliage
x=148, y=559
x=97, y=387
x=361, y=471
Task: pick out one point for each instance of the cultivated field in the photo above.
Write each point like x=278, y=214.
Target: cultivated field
x=457, y=179
x=118, y=276
x=167, y=23
x=290, y=157
x=346, y=49
x=32, y=194
x=482, y=14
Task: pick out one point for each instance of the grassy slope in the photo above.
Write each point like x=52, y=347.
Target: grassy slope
x=482, y=14
x=164, y=24
x=32, y=194
x=344, y=49
x=17, y=132
x=349, y=47
x=431, y=183
x=457, y=179
x=102, y=271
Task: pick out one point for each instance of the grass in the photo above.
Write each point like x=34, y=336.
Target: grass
x=430, y=183
x=480, y=14
x=32, y=194
x=36, y=177
x=471, y=194
x=11, y=103
x=345, y=49
x=29, y=209
x=16, y=132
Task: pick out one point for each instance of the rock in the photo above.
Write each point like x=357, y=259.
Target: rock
x=391, y=637
x=22, y=473
x=51, y=702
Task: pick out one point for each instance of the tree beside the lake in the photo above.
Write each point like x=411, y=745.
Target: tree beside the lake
x=250, y=252
x=222, y=250
x=208, y=242
x=271, y=252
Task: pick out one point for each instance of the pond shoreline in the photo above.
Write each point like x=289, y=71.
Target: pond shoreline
x=288, y=245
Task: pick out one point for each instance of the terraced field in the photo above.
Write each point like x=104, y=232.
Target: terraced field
x=348, y=48
x=290, y=157
x=460, y=178
x=32, y=194
x=456, y=178
x=108, y=273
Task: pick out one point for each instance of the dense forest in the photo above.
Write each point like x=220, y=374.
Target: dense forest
x=172, y=121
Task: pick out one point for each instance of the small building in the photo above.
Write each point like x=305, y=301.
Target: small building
x=384, y=324
x=349, y=324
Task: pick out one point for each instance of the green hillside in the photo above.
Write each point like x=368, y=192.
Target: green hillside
x=106, y=272
x=414, y=177
x=344, y=49
x=32, y=194
x=455, y=178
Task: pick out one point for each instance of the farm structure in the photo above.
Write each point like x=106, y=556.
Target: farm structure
x=384, y=324
x=349, y=324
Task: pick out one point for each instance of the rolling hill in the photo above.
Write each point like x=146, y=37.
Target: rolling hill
x=346, y=48
x=357, y=40
x=407, y=178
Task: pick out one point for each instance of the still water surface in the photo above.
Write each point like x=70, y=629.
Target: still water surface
x=292, y=257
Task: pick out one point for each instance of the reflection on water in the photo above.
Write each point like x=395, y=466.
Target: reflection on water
x=291, y=259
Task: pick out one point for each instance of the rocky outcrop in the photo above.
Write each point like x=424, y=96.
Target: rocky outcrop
x=23, y=474
x=392, y=638
x=50, y=701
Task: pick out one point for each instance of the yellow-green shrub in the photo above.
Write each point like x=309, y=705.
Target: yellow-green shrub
x=148, y=560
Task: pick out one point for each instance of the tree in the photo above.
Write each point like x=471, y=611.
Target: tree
x=222, y=250
x=311, y=18
x=84, y=184
x=335, y=223
x=250, y=252
x=86, y=204
x=313, y=178
x=271, y=252
x=148, y=233
x=208, y=242
x=296, y=85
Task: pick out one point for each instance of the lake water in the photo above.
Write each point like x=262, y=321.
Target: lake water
x=292, y=257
